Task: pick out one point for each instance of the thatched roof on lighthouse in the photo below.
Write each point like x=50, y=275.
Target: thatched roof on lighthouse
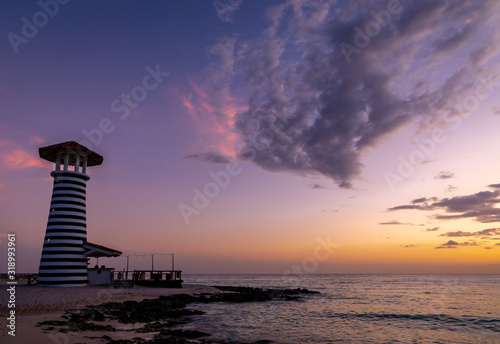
x=50, y=152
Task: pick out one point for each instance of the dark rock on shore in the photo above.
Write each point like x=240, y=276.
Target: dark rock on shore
x=162, y=314
x=247, y=294
x=149, y=310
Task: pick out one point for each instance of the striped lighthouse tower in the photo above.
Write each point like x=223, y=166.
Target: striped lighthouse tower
x=63, y=262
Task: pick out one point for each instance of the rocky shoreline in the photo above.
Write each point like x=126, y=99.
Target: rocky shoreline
x=159, y=317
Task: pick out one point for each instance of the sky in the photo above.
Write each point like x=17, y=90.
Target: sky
x=252, y=136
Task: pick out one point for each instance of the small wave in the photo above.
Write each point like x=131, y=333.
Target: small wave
x=444, y=320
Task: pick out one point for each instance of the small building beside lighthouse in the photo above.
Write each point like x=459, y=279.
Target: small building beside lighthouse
x=63, y=262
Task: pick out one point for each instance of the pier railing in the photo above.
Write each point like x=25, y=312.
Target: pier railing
x=148, y=275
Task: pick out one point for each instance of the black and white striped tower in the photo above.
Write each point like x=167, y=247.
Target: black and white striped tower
x=63, y=263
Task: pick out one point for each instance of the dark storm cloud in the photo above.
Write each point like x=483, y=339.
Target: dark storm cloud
x=211, y=157
x=480, y=206
x=315, y=107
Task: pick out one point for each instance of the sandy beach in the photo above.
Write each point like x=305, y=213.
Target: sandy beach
x=35, y=304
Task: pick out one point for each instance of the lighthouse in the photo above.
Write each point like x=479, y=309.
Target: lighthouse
x=64, y=262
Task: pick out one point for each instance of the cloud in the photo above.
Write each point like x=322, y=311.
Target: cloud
x=432, y=229
x=310, y=107
x=454, y=244
x=408, y=246
x=480, y=206
x=472, y=243
x=397, y=223
x=449, y=244
x=37, y=140
x=444, y=175
x=19, y=158
x=478, y=234
x=330, y=211
x=316, y=186
x=211, y=157
x=451, y=188
x=487, y=248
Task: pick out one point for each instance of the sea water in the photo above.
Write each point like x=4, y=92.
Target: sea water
x=358, y=309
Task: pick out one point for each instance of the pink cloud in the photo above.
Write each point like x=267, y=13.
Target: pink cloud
x=18, y=158
x=37, y=140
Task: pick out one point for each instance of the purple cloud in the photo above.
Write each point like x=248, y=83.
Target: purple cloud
x=312, y=108
x=211, y=157
x=478, y=234
x=480, y=207
x=444, y=175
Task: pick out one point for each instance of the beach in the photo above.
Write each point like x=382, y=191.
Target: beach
x=99, y=314
x=265, y=309
x=35, y=304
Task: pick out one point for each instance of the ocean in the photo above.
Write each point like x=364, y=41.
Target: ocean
x=358, y=309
